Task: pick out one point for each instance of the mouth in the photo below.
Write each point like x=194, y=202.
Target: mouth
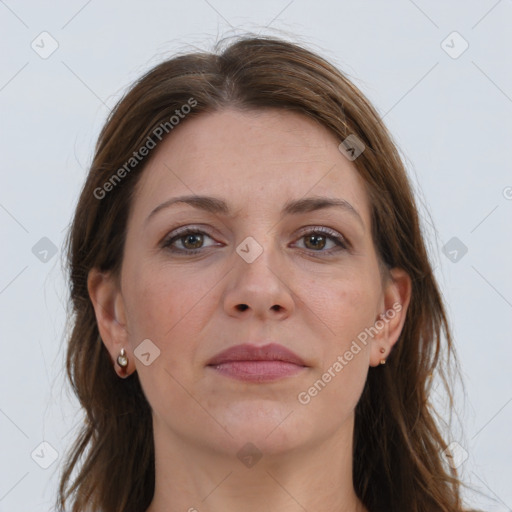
x=257, y=371
x=257, y=363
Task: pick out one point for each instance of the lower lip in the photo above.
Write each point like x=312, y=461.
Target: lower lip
x=257, y=371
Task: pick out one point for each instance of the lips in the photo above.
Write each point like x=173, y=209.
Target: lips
x=250, y=352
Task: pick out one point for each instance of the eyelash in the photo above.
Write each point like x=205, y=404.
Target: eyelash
x=340, y=241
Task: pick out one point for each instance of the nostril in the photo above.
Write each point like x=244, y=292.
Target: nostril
x=242, y=307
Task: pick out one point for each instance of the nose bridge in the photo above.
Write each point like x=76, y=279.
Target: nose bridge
x=258, y=255
x=257, y=280
x=259, y=243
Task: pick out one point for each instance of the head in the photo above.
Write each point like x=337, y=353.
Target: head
x=257, y=128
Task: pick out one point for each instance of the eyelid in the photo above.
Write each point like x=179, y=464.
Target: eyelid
x=183, y=229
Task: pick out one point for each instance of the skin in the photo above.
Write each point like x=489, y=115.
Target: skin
x=188, y=306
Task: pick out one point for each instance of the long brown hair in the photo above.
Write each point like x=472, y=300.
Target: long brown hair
x=397, y=461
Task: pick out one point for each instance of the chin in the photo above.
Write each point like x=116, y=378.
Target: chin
x=266, y=424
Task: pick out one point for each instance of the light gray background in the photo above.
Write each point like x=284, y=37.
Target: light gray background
x=451, y=117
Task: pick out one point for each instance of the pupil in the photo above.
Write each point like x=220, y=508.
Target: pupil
x=192, y=237
x=316, y=237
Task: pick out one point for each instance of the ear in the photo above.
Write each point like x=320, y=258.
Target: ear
x=109, y=308
x=388, y=325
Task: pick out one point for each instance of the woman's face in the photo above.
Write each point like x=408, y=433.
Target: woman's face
x=259, y=274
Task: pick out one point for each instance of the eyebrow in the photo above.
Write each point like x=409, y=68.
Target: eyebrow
x=294, y=207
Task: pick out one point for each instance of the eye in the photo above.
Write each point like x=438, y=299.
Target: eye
x=190, y=239
x=316, y=240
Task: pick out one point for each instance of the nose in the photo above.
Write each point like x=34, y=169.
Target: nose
x=262, y=288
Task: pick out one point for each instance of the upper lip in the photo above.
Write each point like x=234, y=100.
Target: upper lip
x=250, y=352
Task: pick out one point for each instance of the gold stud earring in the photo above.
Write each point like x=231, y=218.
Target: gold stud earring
x=122, y=360
x=382, y=350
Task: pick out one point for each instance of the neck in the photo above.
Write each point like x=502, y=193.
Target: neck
x=192, y=478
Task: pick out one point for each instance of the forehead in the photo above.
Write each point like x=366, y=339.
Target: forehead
x=255, y=160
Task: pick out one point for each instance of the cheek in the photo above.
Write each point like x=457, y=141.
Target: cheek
x=171, y=308
x=165, y=306
x=160, y=299
x=345, y=306
x=336, y=385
